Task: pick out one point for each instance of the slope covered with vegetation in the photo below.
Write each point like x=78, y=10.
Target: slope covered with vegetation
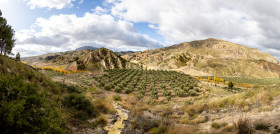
x=32, y=103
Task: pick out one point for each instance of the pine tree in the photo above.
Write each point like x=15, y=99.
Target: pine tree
x=230, y=85
x=7, y=41
x=18, y=57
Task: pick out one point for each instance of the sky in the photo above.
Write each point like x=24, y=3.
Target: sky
x=46, y=26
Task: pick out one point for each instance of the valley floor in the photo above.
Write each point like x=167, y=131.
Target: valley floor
x=220, y=111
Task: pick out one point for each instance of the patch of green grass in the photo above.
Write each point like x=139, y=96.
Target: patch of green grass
x=50, y=73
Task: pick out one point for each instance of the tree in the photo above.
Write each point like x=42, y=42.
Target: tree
x=7, y=41
x=18, y=57
x=230, y=85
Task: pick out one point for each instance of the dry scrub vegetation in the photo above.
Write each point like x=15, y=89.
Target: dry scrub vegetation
x=193, y=114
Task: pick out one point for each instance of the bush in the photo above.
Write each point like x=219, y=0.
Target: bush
x=100, y=121
x=158, y=130
x=24, y=109
x=262, y=125
x=118, y=89
x=101, y=84
x=107, y=88
x=243, y=126
x=128, y=91
x=69, y=89
x=230, y=85
x=197, y=90
x=179, y=93
x=191, y=93
x=117, y=98
x=80, y=106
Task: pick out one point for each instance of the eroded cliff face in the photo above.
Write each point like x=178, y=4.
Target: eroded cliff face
x=210, y=57
x=105, y=59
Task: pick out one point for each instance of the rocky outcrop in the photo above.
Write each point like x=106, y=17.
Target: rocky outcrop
x=105, y=59
x=73, y=66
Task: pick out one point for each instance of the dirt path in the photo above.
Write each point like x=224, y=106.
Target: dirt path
x=117, y=127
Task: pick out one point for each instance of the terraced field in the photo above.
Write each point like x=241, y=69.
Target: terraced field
x=154, y=83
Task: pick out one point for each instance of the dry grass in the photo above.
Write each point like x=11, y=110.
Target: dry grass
x=263, y=98
x=198, y=120
x=228, y=129
x=262, y=125
x=104, y=105
x=181, y=129
x=218, y=125
x=265, y=108
x=166, y=111
x=100, y=121
x=243, y=126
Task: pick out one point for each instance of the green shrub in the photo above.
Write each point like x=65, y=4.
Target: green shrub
x=179, y=93
x=192, y=93
x=186, y=89
x=118, y=89
x=81, y=107
x=128, y=91
x=69, y=89
x=158, y=130
x=107, y=88
x=101, y=84
x=230, y=85
x=117, y=98
x=197, y=90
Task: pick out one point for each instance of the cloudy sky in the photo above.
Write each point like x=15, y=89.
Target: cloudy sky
x=44, y=26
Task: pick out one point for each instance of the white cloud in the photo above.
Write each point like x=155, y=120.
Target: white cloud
x=58, y=4
x=69, y=32
x=254, y=23
x=99, y=10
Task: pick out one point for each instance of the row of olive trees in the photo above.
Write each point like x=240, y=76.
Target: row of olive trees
x=7, y=41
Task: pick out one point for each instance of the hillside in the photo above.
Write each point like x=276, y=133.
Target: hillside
x=31, y=102
x=27, y=100
x=91, y=60
x=210, y=57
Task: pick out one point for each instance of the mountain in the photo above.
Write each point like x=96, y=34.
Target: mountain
x=92, y=60
x=86, y=47
x=121, y=53
x=210, y=57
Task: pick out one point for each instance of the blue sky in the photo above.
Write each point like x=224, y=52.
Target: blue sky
x=45, y=26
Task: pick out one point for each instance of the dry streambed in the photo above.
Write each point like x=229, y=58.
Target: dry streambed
x=117, y=127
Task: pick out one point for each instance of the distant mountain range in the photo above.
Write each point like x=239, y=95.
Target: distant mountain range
x=86, y=47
